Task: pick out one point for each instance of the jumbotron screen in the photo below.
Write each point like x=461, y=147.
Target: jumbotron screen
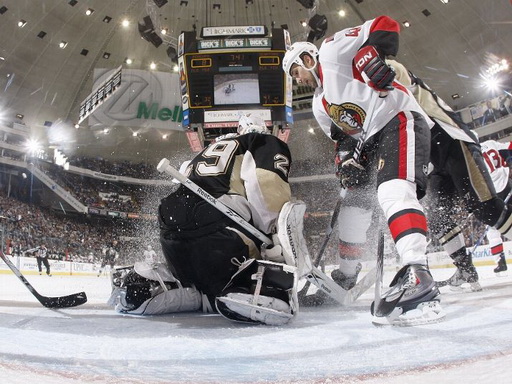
x=233, y=79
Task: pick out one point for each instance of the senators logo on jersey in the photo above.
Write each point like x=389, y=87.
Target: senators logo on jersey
x=348, y=116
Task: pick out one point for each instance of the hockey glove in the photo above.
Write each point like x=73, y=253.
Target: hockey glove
x=375, y=72
x=352, y=174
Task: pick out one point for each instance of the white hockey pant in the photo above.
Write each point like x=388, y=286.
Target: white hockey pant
x=406, y=219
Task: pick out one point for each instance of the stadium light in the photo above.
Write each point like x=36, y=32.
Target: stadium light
x=33, y=146
x=492, y=83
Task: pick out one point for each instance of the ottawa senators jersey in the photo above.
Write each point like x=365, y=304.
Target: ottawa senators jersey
x=345, y=97
x=248, y=173
x=496, y=162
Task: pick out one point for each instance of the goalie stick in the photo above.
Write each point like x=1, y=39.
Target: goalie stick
x=49, y=302
x=315, y=275
x=356, y=155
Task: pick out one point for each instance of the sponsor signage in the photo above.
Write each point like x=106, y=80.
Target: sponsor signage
x=143, y=99
x=252, y=42
x=251, y=30
x=223, y=116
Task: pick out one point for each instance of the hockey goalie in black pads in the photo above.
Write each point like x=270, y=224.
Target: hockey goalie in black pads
x=205, y=250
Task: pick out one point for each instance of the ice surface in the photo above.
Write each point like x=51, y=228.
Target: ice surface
x=94, y=344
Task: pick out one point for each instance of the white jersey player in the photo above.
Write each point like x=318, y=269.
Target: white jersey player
x=349, y=74
x=497, y=155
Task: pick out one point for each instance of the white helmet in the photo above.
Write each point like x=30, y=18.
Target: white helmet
x=150, y=247
x=293, y=55
x=249, y=124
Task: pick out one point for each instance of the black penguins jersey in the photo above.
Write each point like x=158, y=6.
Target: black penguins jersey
x=248, y=173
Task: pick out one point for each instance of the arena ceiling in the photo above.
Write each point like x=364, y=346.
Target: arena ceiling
x=448, y=45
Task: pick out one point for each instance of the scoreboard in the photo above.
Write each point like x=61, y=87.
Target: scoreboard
x=222, y=78
x=230, y=78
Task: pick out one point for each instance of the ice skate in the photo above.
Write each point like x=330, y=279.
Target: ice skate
x=413, y=299
x=465, y=273
x=321, y=298
x=462, y=276
x=502, y=264
x=345, y=281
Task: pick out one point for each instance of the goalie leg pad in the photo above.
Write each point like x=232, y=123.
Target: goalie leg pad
x=290, y=226
x=260, y=292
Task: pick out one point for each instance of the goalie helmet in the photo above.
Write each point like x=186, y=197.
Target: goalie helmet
x=250, y=124
x=294, y=53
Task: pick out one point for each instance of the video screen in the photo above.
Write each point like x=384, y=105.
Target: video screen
x=236, y=88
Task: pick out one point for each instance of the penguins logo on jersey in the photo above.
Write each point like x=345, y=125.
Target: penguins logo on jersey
x=348, y=116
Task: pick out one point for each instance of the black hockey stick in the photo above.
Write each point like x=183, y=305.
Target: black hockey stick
x=48, y=302
x=379, y=273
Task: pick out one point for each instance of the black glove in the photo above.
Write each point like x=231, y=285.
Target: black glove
x=352, y=174
x=375, y=72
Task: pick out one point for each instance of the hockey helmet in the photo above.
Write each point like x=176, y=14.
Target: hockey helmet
x=250, y=124
x=294, y=53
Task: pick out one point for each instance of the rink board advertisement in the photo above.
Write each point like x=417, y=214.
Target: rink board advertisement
x=28, y=266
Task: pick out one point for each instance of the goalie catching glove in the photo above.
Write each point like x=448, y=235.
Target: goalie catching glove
x=374, y=70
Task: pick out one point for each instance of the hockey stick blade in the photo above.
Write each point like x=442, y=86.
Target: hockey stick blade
x=72, y=300
x=361, y=287
x=304, y=291
x=385, y=307
x=326, y=284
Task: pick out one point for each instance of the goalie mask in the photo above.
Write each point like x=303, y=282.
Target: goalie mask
x=250, y=124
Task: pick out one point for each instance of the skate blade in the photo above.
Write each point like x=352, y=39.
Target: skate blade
x=425, y=313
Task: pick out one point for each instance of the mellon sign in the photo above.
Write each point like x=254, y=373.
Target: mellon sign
x=144, y=99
